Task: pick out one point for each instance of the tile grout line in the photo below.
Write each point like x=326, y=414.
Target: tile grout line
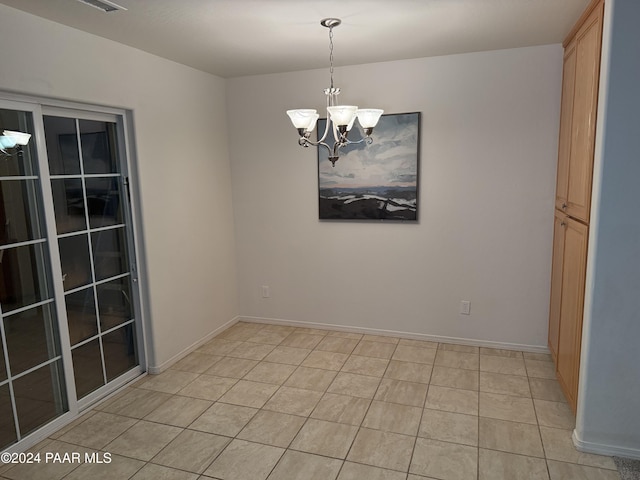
x=535, y=411
x=368, y=408
x=415, y=441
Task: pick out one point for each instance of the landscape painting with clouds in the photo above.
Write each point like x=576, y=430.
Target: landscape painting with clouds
x=373, y=182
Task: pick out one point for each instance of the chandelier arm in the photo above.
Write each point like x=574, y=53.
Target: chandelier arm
x=5, y=154
x=326, y=129
x=336, y=136
x=367, y=140
x=336, y=148
x=305, y=142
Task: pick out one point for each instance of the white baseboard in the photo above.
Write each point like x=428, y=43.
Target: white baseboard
x=156, y=369
x=603, y=449
x=395, y=333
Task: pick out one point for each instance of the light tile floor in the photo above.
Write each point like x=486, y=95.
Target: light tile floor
x=281, y=403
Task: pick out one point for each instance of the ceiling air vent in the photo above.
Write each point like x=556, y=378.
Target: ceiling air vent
x=104, y=5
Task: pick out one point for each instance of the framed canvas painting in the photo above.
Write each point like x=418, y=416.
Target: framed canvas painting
x=373, y=182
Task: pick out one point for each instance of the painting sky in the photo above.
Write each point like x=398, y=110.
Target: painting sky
x=390, y=161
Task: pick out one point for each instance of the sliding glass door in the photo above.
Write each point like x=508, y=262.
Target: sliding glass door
x=69, y=299
x=89, y=201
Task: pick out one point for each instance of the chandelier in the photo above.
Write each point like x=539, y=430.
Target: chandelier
x=10, y=139
x=341, y=117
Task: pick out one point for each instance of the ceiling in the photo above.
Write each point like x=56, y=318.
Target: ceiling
x=233, y=38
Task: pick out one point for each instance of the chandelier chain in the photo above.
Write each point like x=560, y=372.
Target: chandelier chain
x=331, y=55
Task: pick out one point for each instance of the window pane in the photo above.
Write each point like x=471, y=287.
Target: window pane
x=39, y=398
x=119, y=351
x=81, y=315
x=68, y=202
x=32, y=338
x=114, y=303
x=103, y=201
x=23, y=280
x=98, y=147
x=109, y=253
x=87, y=368
x=24, y=163
x=7, y=424
x=3, y=367
x=74, y=256
x=18, y=220
x=62, y=145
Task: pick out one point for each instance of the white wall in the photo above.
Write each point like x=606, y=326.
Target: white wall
x=487, y=181
x=608, y=419
x=183, y=164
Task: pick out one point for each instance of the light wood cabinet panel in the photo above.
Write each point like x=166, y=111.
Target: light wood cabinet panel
x=556, y=282
x=583, y=122
x=574, y=262
x=566, y=117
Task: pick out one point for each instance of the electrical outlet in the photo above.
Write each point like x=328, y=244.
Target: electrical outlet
x=265, y=291
x=465, y=307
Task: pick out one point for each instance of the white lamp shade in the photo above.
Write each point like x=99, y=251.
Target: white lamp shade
x=19, y=137
x=342, y=115
x=303, y=118
x=6, y=142
x=351, y=123
x=368, y=117
x=312, y=122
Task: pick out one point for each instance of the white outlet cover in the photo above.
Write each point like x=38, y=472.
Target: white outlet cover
x=465, y=307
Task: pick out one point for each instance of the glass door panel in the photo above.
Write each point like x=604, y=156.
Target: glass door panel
x=94, y=240
x=76, y=261
x=62, y=146
x=38, y=397
x=103, y=201
x=22, y=270
x=120, y=351
x=99, y=147
x=8, y=433
x=18, y=221
x=87, y=367
x=68, y=203
x=3, y=366
x=81, y=315
x=30, y=337
x=32, y=385
x=114, y=303
x=110, y=252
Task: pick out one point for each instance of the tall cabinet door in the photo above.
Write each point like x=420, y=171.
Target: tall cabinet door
x=583, y=123
x=560, y=223
x=566, y=117
x=574, y=261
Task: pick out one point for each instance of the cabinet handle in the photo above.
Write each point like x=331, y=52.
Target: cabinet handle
x=564, y=206
x=563, y=223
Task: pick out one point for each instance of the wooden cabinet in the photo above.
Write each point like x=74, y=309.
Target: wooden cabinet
x=581, y=71
x=578, y=116
x=570, y=309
